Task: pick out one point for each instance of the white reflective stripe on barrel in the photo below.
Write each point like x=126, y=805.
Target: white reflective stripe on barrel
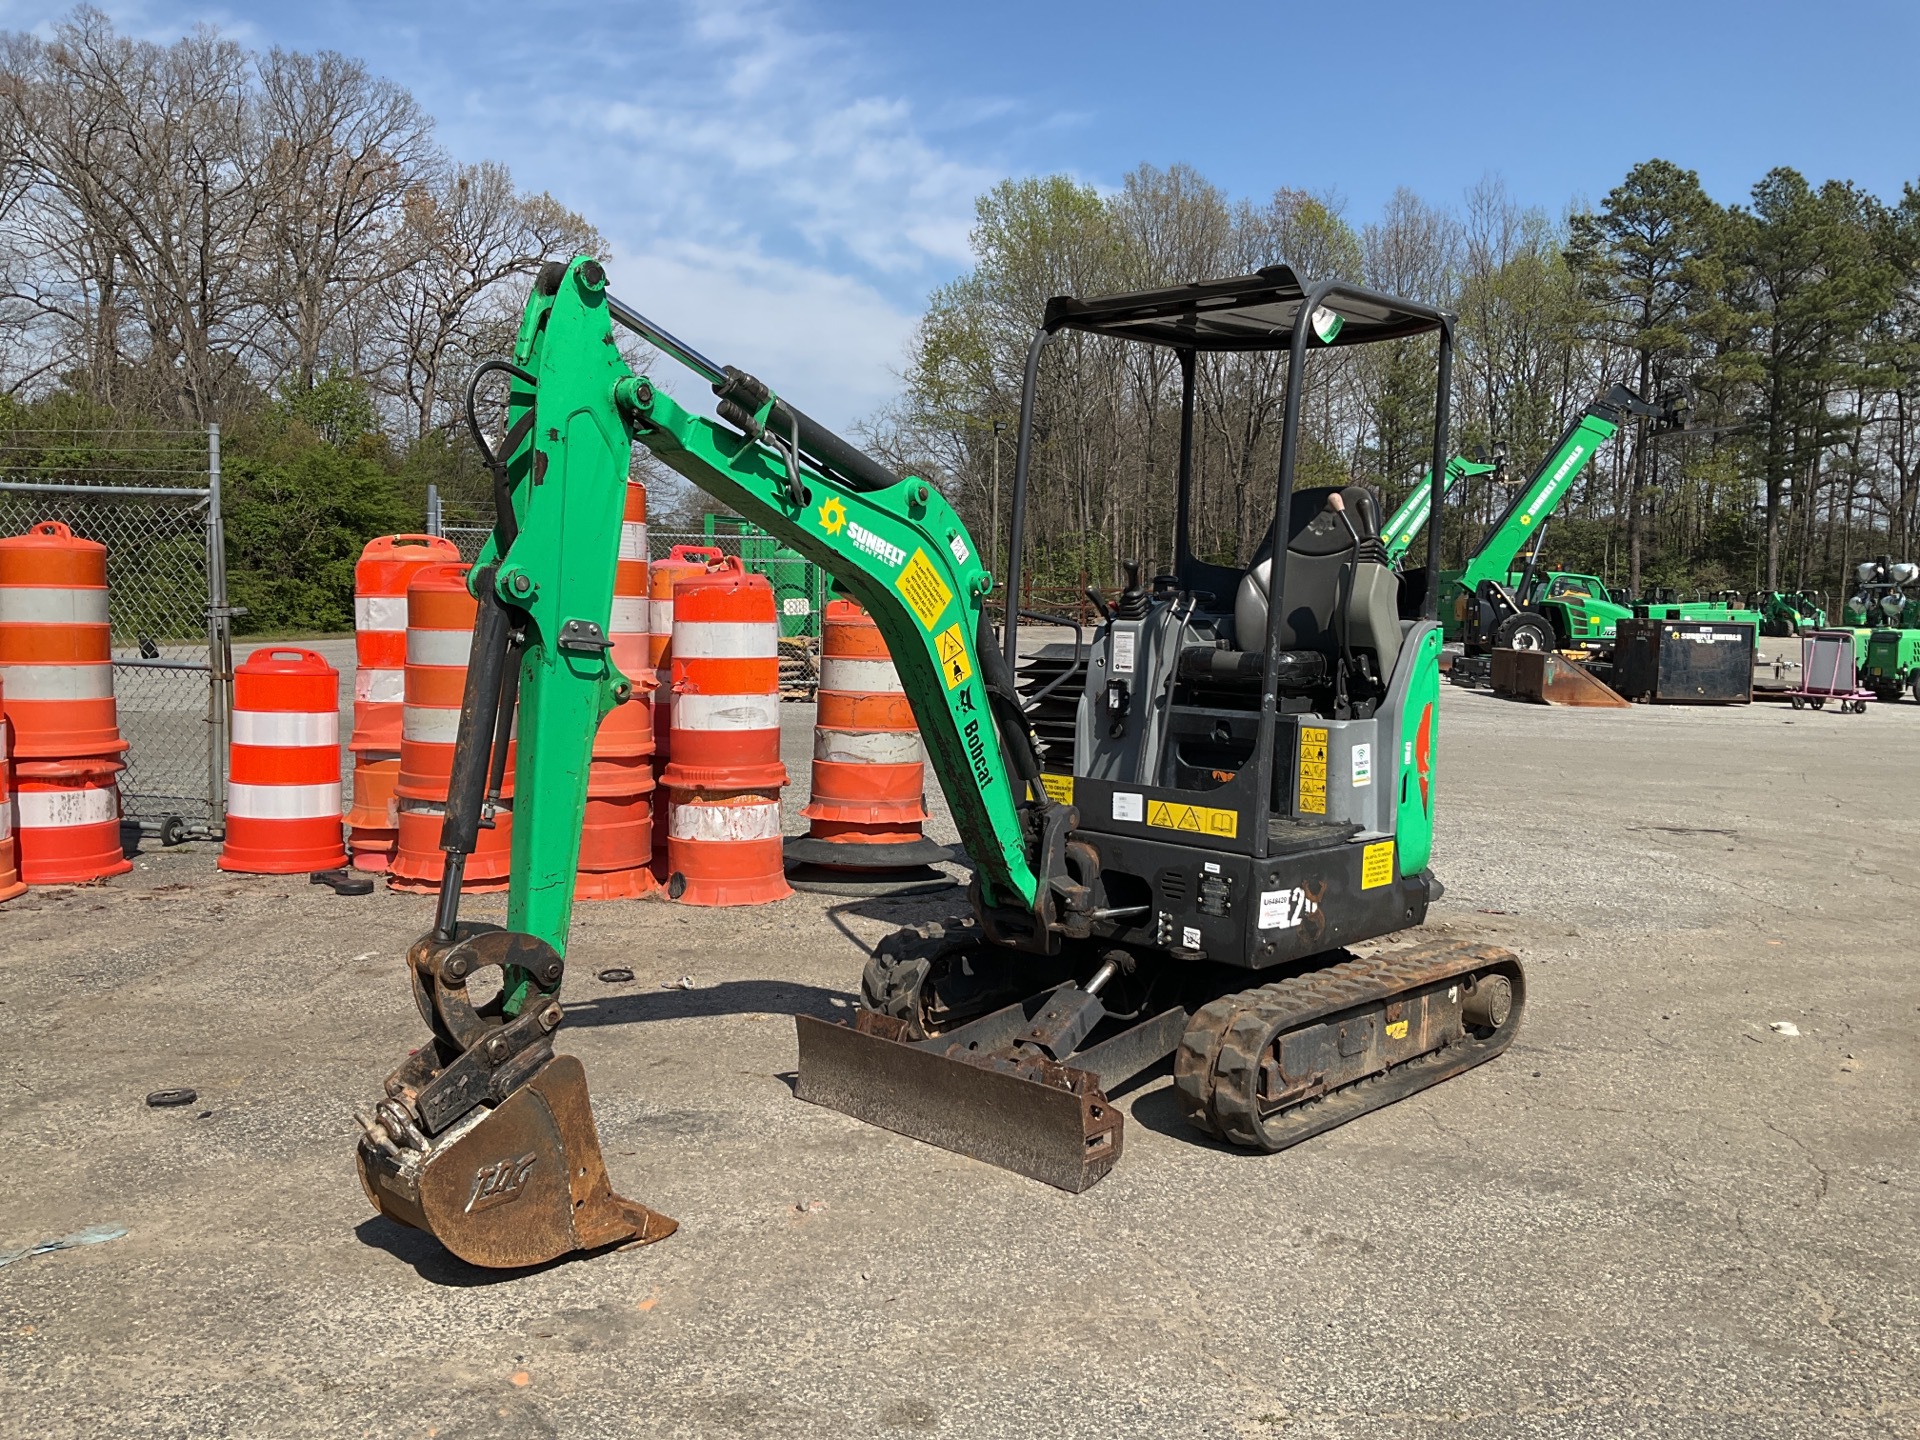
x=725, y=712
x=92, y=680
x=868, y=747
x=6, y=819
x=59, y=809
x=427, y=725
x=660, y=617
x=861, y=677
x=432, y=725
x=380, y=686
x=629, y=616
x=439, y=647
x=286, y=728
x=379, y=612
x=438, y=807
x=51, y=605
x=724, y=822
x=633, y=540
x=726, y=640
x=283, y=802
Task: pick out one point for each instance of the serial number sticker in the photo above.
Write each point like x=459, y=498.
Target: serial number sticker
x=1194, y=819
x=1284, y=909
x=921, y=587
x=959, y=549
x=1396, y=1030
x=1313, y=769
x=1128, y=805
x=1123, y=652
x=955, y=668
x=1058, y=787
x=1376, y=865
x=1190, y=937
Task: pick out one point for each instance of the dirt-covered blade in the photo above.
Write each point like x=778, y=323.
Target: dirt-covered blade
x=1023, y=1113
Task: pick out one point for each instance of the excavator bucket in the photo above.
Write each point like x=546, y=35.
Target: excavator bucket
x=484, y=1138
x=965, y=1091
x=1547, y=677
x=518, y=1183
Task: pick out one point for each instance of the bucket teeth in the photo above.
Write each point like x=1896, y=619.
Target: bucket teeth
x=518, y=1183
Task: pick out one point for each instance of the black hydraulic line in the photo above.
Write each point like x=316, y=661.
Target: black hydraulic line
x=819, y=444
x=1017, y=531
x=503, y=720
x=506, y=528
x=472, y=753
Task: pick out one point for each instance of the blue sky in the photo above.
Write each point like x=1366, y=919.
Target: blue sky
x=783, y=181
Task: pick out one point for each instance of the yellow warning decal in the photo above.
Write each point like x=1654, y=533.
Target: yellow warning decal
x=1376, y=865
x=1060, y=787
x=1313, y=769
x=955, y=668
x=1396, y=1030
x=922, y=588
x=1194, y=819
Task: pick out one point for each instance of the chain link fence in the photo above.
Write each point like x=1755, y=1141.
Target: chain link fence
x=800, y=588
x=153, y=499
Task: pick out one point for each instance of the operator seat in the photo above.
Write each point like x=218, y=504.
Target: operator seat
x=1319, y=548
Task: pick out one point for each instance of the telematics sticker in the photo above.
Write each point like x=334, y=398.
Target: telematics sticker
x=1362, y=765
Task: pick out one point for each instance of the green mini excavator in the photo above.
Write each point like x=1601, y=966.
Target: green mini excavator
x=1245, y=794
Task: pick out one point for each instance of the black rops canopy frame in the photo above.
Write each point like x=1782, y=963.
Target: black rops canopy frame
x=1261, y=311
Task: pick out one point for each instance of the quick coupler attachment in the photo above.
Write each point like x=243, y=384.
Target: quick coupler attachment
x=484, y=1137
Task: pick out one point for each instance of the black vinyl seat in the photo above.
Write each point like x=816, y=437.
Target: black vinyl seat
x=1319, y=549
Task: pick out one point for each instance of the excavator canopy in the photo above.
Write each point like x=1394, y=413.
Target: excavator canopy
x=1244, y=312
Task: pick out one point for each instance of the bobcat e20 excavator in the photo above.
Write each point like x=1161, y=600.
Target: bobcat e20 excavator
x=1248, y=788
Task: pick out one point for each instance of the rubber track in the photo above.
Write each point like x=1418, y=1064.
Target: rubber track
x=1217, y=1067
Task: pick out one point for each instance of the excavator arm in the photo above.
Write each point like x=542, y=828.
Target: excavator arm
x=472, y=1125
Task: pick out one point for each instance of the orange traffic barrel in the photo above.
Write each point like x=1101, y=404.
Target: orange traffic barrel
x=283, y=768
x=440, y=620
x=10, y=883
x=380, y=580
x=69, y=820
x=868, y=801
x=724, y=776
x=682, y=562
x=56, y=649
x=616, y=841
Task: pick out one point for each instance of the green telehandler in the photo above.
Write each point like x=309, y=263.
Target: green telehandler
x=1500, y=601
x=1410, y=518
x=1248, y=790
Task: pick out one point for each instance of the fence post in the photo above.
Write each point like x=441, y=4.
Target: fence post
x=436, y=522
x=219, y=642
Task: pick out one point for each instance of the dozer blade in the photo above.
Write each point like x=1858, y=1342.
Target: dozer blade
x=1023, y=1113
x=517, y=1183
